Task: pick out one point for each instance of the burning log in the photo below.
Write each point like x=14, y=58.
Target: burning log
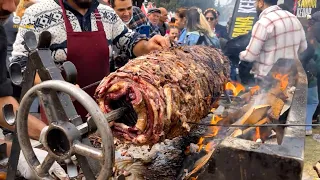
x=166, y=89
x=240, y=132
x=261, y=109
x=255, y=114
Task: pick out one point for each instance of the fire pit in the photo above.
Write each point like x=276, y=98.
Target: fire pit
x=223, y=152
x=236, y=158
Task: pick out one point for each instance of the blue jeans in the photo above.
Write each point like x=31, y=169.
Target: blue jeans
x=233, y=72
x=312, y=103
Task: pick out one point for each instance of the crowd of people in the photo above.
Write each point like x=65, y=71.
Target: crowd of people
x=99, y=39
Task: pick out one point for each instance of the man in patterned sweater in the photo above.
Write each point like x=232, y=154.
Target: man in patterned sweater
x=83, y=32
x=277, y=34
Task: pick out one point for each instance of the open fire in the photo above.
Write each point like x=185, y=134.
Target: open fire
x=205, y=147
x=248, y=106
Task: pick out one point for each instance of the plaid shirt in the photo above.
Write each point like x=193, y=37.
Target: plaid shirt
x=277, y=34
x=139, y=19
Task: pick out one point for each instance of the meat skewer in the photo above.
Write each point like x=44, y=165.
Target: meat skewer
x=164, y=90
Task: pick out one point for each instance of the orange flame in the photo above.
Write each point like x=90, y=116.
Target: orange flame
x=210, y=146
x=214, y=129
x=257, y=133
x=254, y=89
x=235, y=87
x=200, y=143
x=283, y=79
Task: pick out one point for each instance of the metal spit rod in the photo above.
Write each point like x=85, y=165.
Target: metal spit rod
x=254, y=125
x=91, y=85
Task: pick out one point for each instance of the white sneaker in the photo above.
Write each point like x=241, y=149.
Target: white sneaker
x=308, y=132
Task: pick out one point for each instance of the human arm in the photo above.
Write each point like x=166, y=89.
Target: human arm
x=35, y=126
x=19, y=52
x=157, y=42
x=259, y=36
x=135, y=44
x=303, y=43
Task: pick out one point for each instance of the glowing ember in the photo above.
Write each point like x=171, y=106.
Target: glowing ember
x=235, y=87
x=187, y=151
x=283, y=80
x=210, y=146
x=200, y=143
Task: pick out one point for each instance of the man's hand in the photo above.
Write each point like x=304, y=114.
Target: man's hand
x=157, y=42
x=27, y=173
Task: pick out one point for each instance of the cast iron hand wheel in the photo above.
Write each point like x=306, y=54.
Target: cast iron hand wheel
x=63, y=139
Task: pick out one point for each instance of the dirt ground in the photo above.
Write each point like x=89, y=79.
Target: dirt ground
x=312, y=155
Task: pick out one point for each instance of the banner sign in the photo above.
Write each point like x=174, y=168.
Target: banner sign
x=305, y=7
x=243, y=18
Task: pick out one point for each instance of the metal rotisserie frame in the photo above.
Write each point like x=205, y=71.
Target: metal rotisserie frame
x=238, y=159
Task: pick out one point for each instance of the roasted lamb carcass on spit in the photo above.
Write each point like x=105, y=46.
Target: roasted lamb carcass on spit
x=166, y=89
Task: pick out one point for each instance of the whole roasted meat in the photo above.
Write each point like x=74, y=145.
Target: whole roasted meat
x=166, y=90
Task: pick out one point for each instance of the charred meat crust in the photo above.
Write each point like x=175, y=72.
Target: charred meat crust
x=166, y=89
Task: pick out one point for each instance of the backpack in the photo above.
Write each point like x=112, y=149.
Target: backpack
x=207, y=41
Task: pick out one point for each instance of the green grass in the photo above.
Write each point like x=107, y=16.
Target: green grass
x=312, y=154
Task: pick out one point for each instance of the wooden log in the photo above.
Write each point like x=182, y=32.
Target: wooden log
x=276, y=108
x=317, y=168
x=276, y=99
x=238, y=132
x=254, y=115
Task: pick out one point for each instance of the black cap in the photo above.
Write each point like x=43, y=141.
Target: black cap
x=154, y=10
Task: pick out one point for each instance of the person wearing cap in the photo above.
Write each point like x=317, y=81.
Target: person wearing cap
x=35, y=126
x=85, y=33
x=154, y=16
x=133, y=17
x=277, y=34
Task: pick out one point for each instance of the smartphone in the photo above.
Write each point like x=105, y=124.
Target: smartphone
x=144, y=29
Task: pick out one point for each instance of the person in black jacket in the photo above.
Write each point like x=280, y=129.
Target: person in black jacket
x=309, y=63
x=232, y=50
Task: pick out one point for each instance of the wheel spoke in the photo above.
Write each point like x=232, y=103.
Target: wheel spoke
x=44, y=167
x=88, y=151
x=52, y=107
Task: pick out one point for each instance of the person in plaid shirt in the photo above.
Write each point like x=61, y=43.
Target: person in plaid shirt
x=277, y=34
x=133, y=17
x=139, y=19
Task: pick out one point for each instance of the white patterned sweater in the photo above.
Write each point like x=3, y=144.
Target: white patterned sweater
x=47, y=16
